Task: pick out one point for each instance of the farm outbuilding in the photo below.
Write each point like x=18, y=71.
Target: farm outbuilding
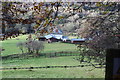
x=77, y=41
x=66, y=39
x=59, y=37
x=42, y=38
x=54, y=37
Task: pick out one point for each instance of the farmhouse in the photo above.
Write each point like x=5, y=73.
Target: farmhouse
x=66, y=39
x=54, y=37
x=57, y=36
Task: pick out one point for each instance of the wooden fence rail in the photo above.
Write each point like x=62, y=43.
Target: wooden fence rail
x=30, y=68
x=50, y=55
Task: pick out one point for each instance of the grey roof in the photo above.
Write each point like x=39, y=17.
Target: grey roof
x=79, y=39
x=57, y=36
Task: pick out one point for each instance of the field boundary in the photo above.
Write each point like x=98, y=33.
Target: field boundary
x=54, y=54
x=30, y=68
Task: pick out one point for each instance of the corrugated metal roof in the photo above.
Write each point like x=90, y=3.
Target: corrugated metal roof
x=57, y=36
x=79, y=39
x=48, y=36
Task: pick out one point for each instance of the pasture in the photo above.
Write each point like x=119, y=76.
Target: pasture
x=75, y=72
x=10, y=46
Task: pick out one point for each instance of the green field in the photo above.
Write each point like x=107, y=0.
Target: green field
x=10, y=46
x=77, y=72
x=55, y=73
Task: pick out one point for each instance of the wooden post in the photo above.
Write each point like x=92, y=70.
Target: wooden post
x=55, y=54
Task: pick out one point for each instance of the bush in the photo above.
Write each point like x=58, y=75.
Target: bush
x=91, y=54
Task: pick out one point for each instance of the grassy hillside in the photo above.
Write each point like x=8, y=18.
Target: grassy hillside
x=79, y=72
x=56, y=73
x=11, y=48
x=63, y=61
x=76, y=72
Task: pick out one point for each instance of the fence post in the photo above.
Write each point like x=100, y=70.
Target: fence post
x=45, y=55
x=55, y=54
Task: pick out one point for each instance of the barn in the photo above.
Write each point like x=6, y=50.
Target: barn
x=42, y=38
x=77, y=41
x=54, y=37
x=65, y=39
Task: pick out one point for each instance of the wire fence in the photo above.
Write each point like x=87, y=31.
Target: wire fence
x=47, y=55
x=45, y=67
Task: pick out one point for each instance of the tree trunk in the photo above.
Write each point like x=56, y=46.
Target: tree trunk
x=3, y=27
x=22, y=50
x=37, y=52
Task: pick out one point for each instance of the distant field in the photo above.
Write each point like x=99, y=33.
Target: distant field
x=11, y=48
x=70, y=37
x=10, y=45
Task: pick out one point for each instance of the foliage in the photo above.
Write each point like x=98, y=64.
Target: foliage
x=97, y=22
x=42, y=14
x=102, y=32
x=89, y=54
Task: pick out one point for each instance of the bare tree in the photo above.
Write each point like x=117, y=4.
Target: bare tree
x=34, y=47
x=37, y=46
x=21, y=46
